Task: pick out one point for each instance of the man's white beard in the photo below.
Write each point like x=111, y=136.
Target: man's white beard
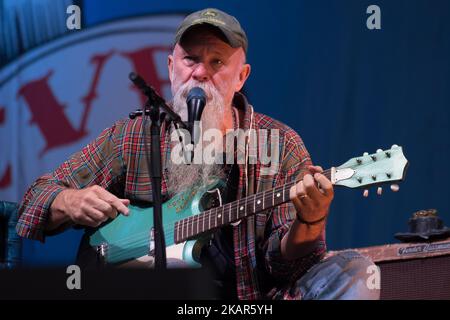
x=215, y=109
x=184, y=176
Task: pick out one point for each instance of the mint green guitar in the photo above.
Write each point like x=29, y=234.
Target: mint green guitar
x=188, y=218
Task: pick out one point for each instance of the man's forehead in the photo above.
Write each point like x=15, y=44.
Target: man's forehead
x=194, y=49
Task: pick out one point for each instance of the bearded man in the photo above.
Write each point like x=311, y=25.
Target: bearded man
x=277, y=254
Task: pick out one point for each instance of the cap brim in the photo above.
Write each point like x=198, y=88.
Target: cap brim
x=230, y=37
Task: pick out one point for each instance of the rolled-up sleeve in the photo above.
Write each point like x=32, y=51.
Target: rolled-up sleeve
x=33, y=211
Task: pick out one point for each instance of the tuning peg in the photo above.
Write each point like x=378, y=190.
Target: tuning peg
x=379, y=191
x=379, y=150
x=366, y=193
x=395, y=187
x=394, y=146
x=365, y=154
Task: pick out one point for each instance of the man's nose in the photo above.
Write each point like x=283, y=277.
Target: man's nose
x=201, y=73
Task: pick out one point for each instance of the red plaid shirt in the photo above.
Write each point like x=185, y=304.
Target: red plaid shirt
x=117, y=161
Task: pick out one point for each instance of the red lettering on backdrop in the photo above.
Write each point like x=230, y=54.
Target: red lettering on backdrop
x=144, y=64
x=99, y=60
x=5, y=179
x=48, y=114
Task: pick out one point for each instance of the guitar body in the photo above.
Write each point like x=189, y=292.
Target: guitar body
x=129, y=238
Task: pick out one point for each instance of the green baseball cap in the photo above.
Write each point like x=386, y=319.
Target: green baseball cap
x=229, y=26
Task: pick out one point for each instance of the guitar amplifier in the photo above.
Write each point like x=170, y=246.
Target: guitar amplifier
x=412, y=270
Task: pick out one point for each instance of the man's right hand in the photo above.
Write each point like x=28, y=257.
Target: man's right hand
x=89, y=207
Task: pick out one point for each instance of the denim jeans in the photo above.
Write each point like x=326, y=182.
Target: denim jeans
x=344, y=276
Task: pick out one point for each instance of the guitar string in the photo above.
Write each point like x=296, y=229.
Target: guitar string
x=144, y=240
x=142, y=237
x=143, y=246
x=199, y=219
x=232, y=205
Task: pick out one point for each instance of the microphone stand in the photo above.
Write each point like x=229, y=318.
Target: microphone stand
x=152, y=108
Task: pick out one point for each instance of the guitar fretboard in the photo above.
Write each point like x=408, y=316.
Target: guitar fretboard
x=234, y=211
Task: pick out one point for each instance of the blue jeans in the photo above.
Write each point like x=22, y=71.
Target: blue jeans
x=344, y=276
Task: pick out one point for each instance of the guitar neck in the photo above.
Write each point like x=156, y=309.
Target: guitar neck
x=231, y=212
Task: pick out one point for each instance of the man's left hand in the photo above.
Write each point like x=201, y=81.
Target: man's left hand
x=313, y=195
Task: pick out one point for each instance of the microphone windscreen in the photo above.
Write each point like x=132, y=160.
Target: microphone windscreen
x=196, y=93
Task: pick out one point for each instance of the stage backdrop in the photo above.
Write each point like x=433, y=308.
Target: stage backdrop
x=315, y=66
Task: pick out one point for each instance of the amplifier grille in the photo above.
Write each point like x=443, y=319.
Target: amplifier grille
x=425, y=278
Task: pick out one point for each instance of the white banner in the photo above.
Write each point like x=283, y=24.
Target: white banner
x=60, y=96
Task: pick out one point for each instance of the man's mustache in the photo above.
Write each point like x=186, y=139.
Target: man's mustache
x=208, y=88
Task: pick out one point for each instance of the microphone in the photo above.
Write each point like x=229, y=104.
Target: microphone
x=165, y=113
x=195, y=101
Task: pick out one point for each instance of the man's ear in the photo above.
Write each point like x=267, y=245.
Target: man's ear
x=170, y=66
x=243, y=76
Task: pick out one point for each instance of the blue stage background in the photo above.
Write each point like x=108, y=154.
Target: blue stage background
x=345, y=89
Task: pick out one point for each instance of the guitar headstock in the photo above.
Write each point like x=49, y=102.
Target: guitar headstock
x=388, y=166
